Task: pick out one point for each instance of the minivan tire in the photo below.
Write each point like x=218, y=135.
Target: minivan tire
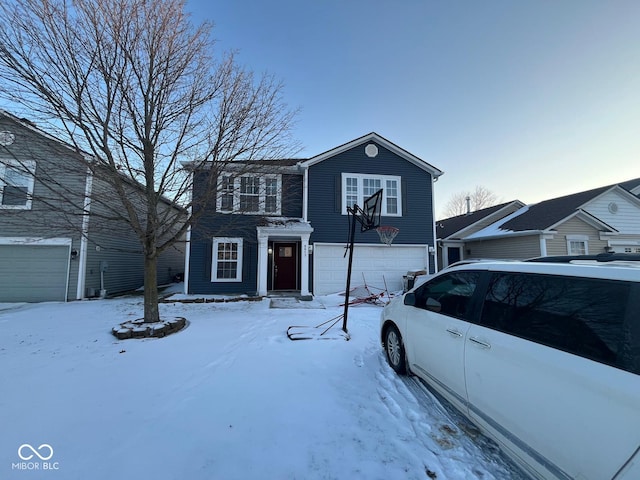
x=394, y=349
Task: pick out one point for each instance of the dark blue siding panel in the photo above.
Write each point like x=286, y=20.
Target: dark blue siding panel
x=292, y=196
x=218, y=225
x=213, y=224
x=416, y=223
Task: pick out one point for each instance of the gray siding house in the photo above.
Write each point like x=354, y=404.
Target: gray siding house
x=52, y=245
x=605, y=219
x=291, y=237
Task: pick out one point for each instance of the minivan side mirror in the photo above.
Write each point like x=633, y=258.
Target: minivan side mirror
x=410, y=299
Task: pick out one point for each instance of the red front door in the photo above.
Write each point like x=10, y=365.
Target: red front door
x=285, y=266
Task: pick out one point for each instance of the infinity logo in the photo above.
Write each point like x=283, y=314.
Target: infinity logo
x=29, y=456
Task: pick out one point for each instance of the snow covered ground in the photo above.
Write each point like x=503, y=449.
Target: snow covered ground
x=229, y=397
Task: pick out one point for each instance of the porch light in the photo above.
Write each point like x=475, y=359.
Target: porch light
x=270, y=250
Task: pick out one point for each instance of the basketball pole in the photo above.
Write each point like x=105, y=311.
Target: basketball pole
x=352, y=234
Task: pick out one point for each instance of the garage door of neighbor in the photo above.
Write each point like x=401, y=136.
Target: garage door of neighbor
x=626, y=248
x=376, y=262
x=33, y=273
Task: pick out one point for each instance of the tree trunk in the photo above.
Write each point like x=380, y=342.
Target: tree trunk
x=151, y=310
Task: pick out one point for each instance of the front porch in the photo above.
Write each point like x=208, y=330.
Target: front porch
x=283, y=258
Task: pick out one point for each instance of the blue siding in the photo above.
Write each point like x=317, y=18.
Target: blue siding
x=223, y=225
x=292, y=196
x=324, y=210
x=324, y=214
x=212, y=224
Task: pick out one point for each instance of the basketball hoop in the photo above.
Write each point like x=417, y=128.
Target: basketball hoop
x=387, y=234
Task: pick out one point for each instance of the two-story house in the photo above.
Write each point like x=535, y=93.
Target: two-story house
x=56, y=242
x=282, y=225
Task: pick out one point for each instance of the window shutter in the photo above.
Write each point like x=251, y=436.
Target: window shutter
x=404, y=194
x=338, y=194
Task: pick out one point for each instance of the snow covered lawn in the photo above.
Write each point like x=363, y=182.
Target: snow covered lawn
x=229, y=397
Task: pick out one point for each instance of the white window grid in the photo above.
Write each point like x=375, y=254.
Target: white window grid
x=578, y=247
x=250, y=194
x=357, y=188
x=17, y=175
x=226, y=260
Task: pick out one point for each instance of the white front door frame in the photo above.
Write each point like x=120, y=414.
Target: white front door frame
x=294, y=231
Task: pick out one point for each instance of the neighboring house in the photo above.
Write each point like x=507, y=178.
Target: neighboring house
x=281, y=226
x=451, y=232
x=52, y=245
x=605, y=219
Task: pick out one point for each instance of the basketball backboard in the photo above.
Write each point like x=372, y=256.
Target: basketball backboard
x=371, y=211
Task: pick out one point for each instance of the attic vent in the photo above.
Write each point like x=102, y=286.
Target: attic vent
x=6, y=138
x=371, y=150
x=613, y=207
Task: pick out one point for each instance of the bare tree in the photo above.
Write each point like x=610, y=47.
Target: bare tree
x=136, y=85
x=467, y=202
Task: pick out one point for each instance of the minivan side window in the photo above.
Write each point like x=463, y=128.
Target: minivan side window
x=582, y=316
x=451, y=291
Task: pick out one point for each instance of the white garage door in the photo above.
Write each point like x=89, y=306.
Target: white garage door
x=33, y=273
x=626, y=248
x=378, y=263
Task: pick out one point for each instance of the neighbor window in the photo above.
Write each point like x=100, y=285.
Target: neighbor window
x=356, y=188
x=226, y=263
x=577, y=244
x=16, y=184
x=252, y=194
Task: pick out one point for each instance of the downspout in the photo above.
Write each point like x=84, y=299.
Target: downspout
x=543, y=246
x=84, y=238
x=305, y=195
x=187, y=250
x=433, y=223
x=187, y=256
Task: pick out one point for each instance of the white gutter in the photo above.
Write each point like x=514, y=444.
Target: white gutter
x=84, y=238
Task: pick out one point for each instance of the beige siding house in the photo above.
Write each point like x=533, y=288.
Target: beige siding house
x=601, y=220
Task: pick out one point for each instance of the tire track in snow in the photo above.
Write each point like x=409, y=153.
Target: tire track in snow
x=440, y=430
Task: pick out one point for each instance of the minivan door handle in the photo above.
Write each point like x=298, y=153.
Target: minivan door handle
x=453, y=332
x=479, y=342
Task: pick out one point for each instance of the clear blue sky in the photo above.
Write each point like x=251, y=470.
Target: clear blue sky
x=531, y=99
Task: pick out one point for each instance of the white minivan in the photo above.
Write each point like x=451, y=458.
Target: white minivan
x=543, y=357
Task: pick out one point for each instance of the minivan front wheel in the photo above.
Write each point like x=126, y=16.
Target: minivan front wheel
x=394, y=349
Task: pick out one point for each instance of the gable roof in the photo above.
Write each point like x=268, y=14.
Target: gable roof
x=374, y=137
x=548, y=213
x=29, y=125
x=632, y=186
x=449, y=226
x=86, y=157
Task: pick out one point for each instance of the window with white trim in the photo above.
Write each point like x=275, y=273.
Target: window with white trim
x=16, y=184
x=251, y=194
x=357, y=187
x=271, y=195
x=226, y=193
x=226, y=260
x=577, y=244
